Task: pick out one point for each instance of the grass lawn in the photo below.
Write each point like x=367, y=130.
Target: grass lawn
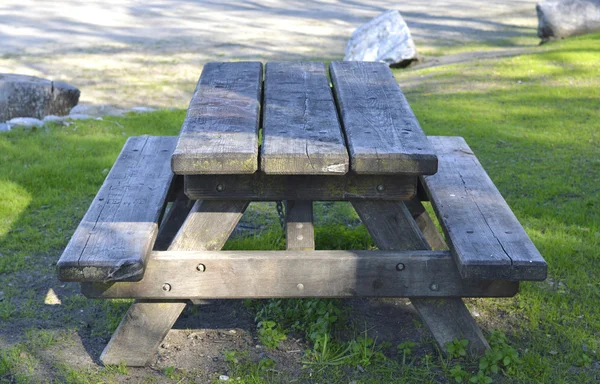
x=534, y=123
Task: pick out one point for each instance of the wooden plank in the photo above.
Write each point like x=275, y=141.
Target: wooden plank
x=300, y=231
x=383, y=134
x=220, y=131
x=483, y=233
x=147, y=322
x=426, y=225
x=116, y=234
x=392, y=227
x=265, y=274
x=301, y=132
x=143, y=328
x=173, y=221
x=261, y=187
x=209, y=225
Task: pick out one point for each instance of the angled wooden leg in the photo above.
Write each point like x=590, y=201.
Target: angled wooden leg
x=392, y=227
x=173, y=221
x=147, y=322
x=300, y=232
x=426, y=225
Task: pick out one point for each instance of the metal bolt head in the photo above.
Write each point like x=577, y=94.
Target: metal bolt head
x=166, y=287
x=220, y=187
x=380, y=188
x=400, y=267
x=200, y=268
x=434, y=287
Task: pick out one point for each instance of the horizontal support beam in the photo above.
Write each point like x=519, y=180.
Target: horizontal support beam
x=260, y=186
x=266, y=274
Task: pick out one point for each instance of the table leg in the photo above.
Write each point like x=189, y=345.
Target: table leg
x=392, y=227
x=300, y=232
x=147, y=322
x=173, y=221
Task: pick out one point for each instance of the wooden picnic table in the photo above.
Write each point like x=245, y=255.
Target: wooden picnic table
x=296, y=136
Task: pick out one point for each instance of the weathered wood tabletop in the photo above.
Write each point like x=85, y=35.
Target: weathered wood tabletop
x=361, y=125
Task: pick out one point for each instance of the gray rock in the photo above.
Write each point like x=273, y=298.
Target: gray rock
x=386, y=38
x=79, y=116
x=4, y=127
x=29, y=96
x=53, y=119
x=26, y=122
x=142, y=109
x=96, y=110
x=558, y=19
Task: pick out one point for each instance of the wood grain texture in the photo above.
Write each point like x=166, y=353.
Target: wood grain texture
x=147, y=322
x=301, y=131
x=483, y=233
x=266, y=274
x=261, y=187
x=392, y=227
x=220, y=131
x=383, y=134
x=208, y=225
x=116, y=234
x=300, y=231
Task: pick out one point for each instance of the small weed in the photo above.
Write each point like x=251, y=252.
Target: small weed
x=243, y=371
x=481, y=378
x=328, y=353
x=583, y=360
x=406, y=348
x=459, y=374
x=170, y=372
x=365, y=350
x=457, y=348
x=270, y=334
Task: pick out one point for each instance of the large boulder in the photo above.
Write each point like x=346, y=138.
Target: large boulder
x=386, y=38
x=29, y=96
x=558, y=19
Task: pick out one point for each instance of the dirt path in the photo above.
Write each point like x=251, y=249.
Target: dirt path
x=129, y=53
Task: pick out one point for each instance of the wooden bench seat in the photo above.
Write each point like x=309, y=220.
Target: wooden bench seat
x=116, y=235
x=482, y=232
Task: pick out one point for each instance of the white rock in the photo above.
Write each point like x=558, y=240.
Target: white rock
x=4, y=127
x=79, y=116
x=142, y=109
x=26, y=122
x=386, y=38
x=223, y=377
x=96, y=110
x=53, y=119
x=558, y=19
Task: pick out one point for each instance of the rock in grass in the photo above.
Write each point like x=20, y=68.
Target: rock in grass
x=29, y=96
x=4, y=127
x=386, y=38
x=26, y=122
x=558, y=19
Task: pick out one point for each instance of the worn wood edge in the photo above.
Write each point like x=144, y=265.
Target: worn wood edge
x=262, y=187
x=521, y=271
x=435, y=276
x=427, y=165
x=194, y=164
x=130, y=269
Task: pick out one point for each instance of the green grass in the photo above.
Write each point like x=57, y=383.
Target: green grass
x=534, y=123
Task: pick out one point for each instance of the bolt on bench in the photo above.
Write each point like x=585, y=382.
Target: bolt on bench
x=357, y=141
